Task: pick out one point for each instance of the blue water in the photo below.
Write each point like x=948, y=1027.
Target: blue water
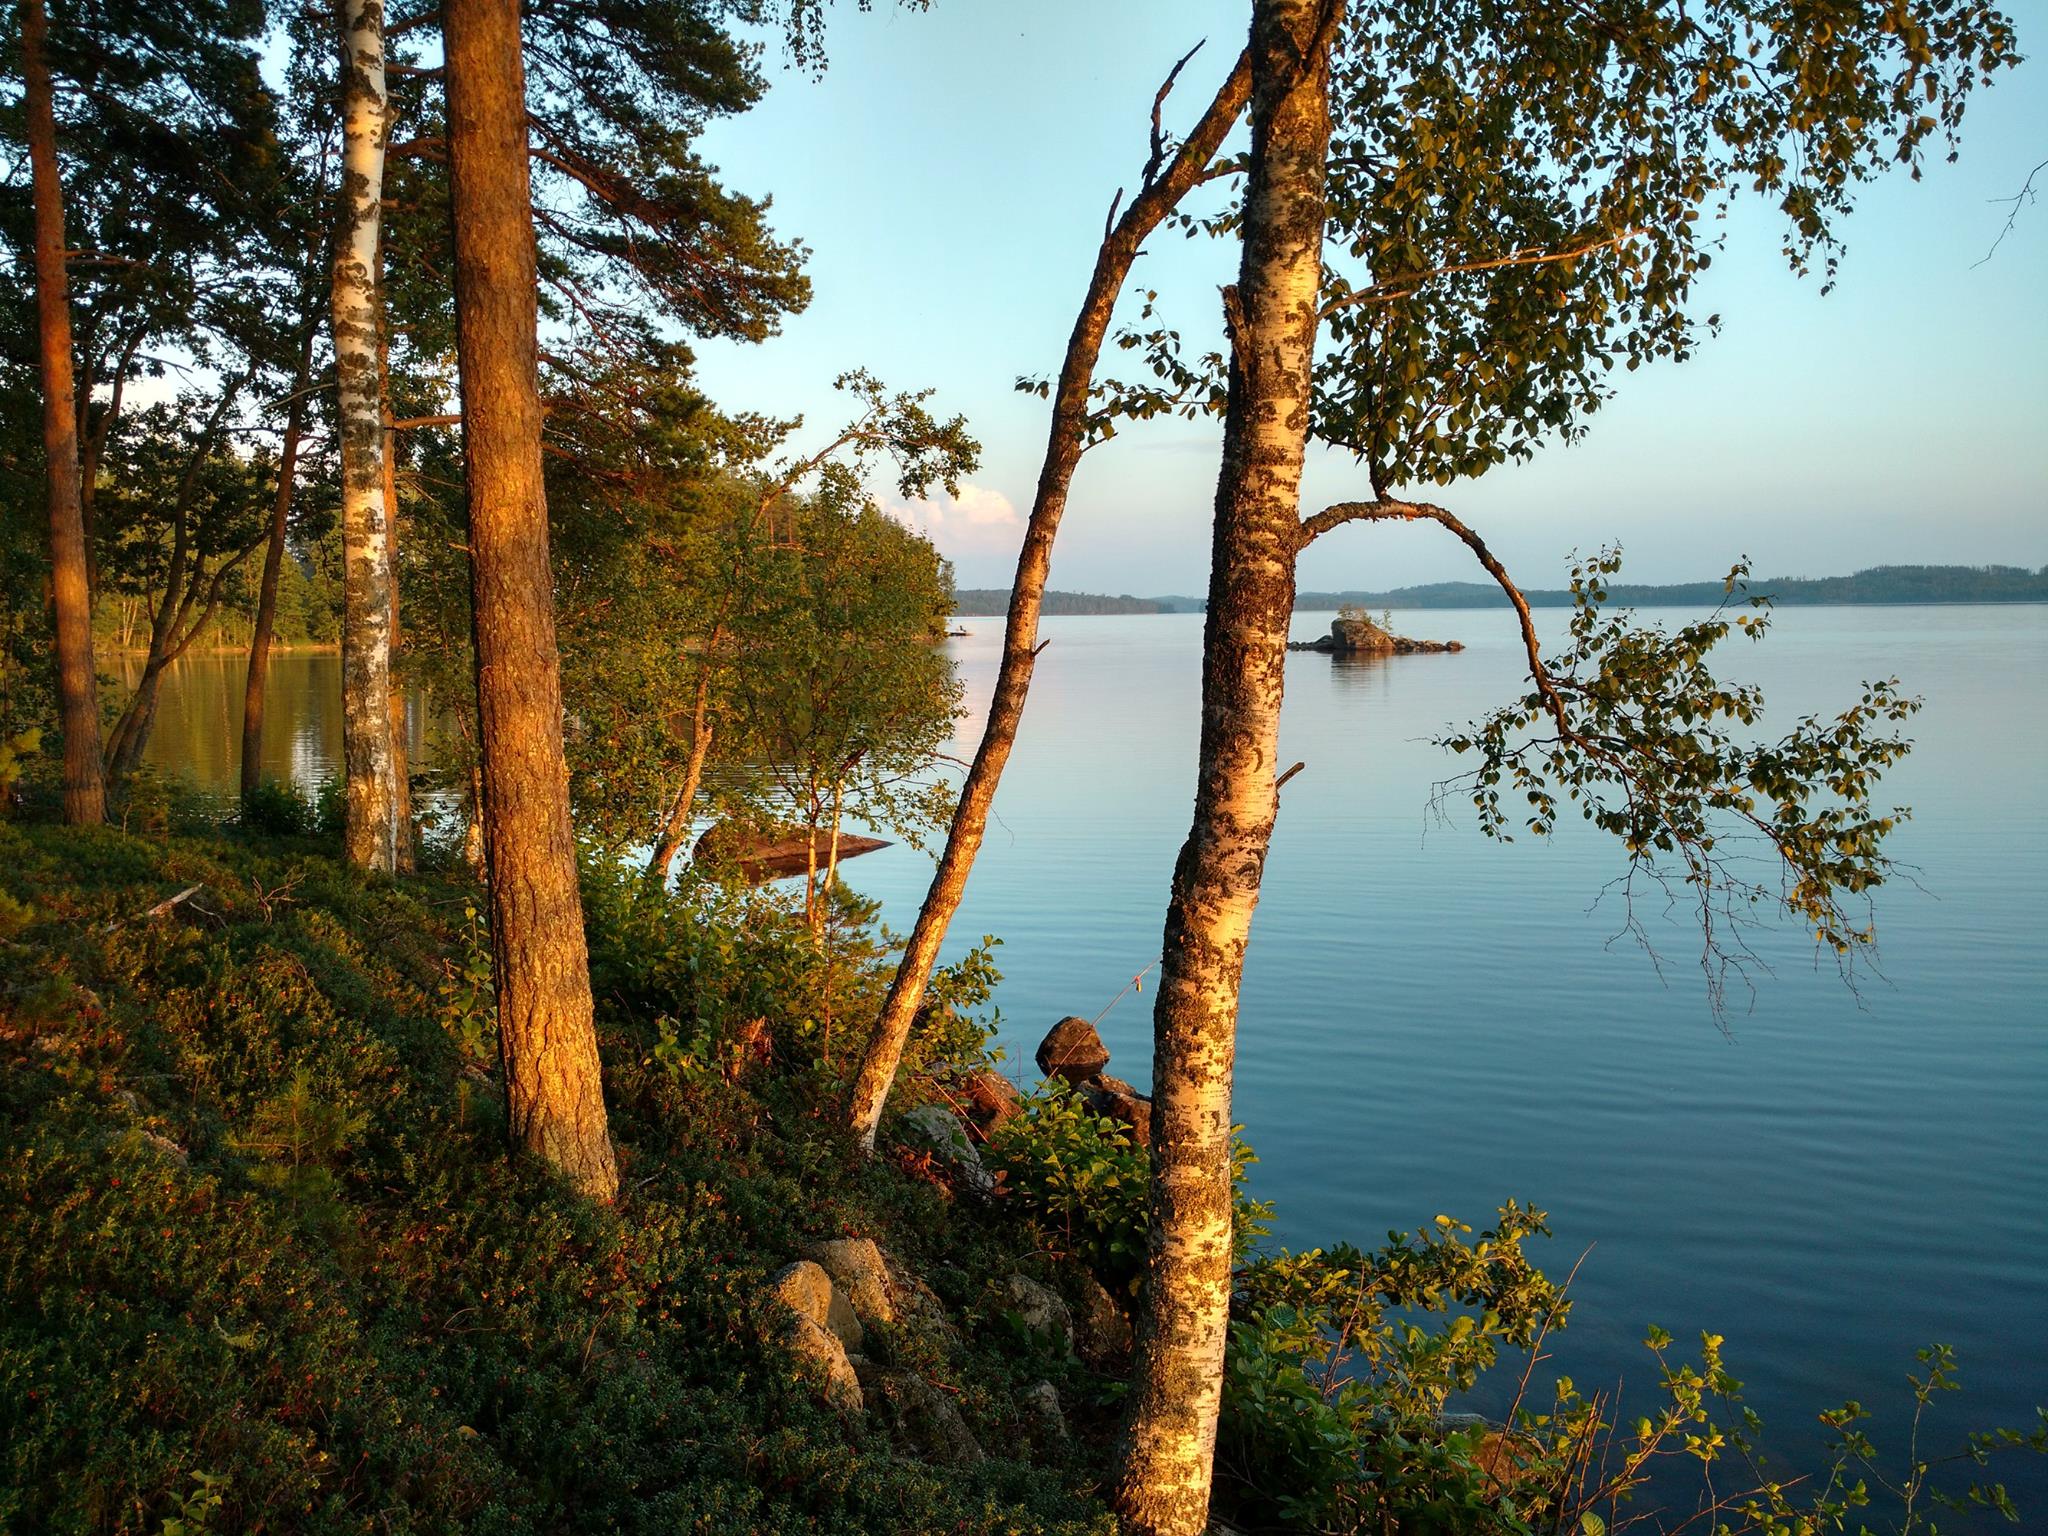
x=1434, y=1022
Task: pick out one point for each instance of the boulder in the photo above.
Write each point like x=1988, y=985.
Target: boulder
x=991, y=1098
x=1040, y=1309
x=938, y=1128
x=859, y=1271
x=925, y=1416
x=806, y=1289
x=824, y=1356
x=1042, y=1411
x=1073, y=1050
x=1119, y=1101
x=1101, y=1328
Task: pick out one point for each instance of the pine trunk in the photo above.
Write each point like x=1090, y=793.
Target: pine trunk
x=255, y=685
x=1170, y=1431
x=78, y=703
x=372, y=834
x=1065, y=443
x=548, y=1039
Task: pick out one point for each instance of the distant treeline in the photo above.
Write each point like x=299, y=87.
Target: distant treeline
x=994, y=602
x=1879, y=584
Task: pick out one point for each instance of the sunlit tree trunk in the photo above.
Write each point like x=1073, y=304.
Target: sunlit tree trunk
x=1065, y=442
x=548, y=1039
x=371, y=836
x=274, y=555
x=1169, y=1439
x=675, y=827
x=78, y=705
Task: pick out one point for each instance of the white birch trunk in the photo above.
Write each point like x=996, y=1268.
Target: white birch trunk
x=373, y=837
x=1169, y=1444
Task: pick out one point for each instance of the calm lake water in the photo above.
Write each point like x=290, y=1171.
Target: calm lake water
x=1433, y=1022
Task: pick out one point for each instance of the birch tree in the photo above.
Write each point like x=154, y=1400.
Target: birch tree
x=1525, y=190
x=372, y=836
x=548, y=1038
x=1171, y=172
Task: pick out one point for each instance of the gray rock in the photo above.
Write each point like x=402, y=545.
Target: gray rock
x=1042, y=1411
x=1041, y=1309
x=939, y=1128
x=1102, y=1329
x=822, y=1355
x=807, y=1290
x=858, y=1268
x=1073, y=1050
x=923, y=1415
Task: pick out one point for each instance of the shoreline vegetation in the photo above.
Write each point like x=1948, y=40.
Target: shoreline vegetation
x=1916, y=584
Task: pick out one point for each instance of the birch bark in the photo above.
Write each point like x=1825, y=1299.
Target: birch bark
x=1169, y=1439
x=78, y=704
x=372, y=835
x=1065, y=443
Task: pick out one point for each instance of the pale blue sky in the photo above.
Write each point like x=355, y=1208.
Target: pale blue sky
x=952, y=170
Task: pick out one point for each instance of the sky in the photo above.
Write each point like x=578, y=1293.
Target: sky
x=951, y=172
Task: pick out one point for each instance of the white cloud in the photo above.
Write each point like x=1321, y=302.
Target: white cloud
x=981, y=518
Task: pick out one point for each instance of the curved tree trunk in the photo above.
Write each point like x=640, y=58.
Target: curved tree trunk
x=547, y=1036
x=1065, y=442
x=1170, y=1432
x=78, y=704
x=253, y=688
x=675, y=827
x=371, y=836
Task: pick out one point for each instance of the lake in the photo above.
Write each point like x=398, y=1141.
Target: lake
x=1433, y=1022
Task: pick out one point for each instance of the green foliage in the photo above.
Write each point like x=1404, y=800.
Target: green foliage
x=277, y=808
x=1629, y=725
x=13, y=751
x=1082, y=1179
x=264, y=1263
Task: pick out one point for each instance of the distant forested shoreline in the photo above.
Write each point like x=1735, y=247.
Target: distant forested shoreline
x=1879, y=584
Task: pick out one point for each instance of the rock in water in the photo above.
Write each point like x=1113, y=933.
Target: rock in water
x=1117, y=1100
x=1073, y=1050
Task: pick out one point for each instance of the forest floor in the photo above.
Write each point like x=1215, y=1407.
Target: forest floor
x=265, y=1265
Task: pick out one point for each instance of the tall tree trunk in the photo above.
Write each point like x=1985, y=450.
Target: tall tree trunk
x=1169, y=1439
x=401, y=773
x=1065, y=442
x=371, y=837
x=78, y=703
x=553, y=1090
x=273, y=565
x=675, y=827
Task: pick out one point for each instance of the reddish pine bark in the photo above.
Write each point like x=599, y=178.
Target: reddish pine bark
x=546, y=1031
x=78, y=705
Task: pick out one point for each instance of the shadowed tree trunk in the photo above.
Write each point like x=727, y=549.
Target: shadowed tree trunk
x=401, y=773
x=273, y=565
x=553, y=1091
x=78, y=705
x=1169, y=1441
x=372, y=835
x=1066, y=440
